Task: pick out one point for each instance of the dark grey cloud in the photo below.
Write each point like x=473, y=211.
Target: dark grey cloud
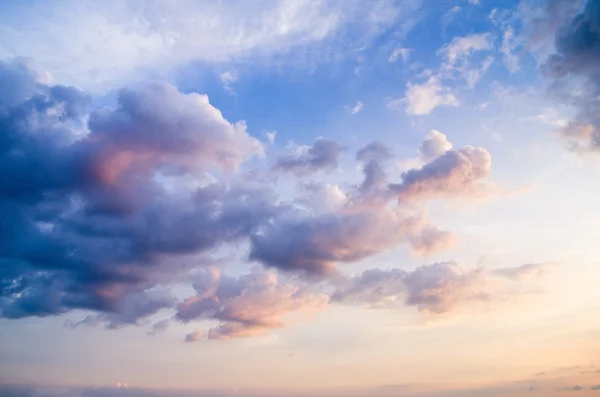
x=575, y=69
x=323, y=155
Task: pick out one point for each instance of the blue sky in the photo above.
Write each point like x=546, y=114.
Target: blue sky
x=299, y=197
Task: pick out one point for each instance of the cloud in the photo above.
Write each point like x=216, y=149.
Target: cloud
x=245, y=306
x=227, y=79
x=453, y=174
x=401, y=52
x=461, y=47
x=510, y=42
x=358, y=107
x=526, y=271
x=422, y=99
x=574, y=68
x=434, y=146
x=323, y=155
x=431, y=240
x=457, y=56
x=88, y=219
x=373, y=157
x=107, y=211
x=195, y=336
x=159, y=327
x=131, y=42
x=436, y=288
x=571, y=388
x=314, y=244
x=271, y=136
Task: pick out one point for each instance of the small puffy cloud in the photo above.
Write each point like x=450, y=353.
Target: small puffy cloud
x=322, y=156
x=227, y=79
x=402, y=52
x=422, y=99
x=358, y=107
x=434, y=146
x=475, y=2
x=271, y=135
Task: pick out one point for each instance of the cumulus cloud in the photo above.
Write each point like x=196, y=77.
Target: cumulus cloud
x=88, y=220
x=434, y=146
x=574, y=67
x=306, y=160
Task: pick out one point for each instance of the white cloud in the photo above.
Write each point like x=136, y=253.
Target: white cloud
x=462, y=47
x=227, y=79
x=510, y=42
x=103, y=45
x=475, y=2
x=271, y=136
x=473, y=75
x=434, y=146
x=401, y=52
x=421, y=99
x=358, y=107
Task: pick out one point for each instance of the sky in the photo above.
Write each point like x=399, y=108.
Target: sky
x=299, y=198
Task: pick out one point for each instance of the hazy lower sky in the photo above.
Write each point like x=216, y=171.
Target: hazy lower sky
x=299, y=198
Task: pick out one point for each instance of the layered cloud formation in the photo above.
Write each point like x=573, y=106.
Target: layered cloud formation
x=107, y=210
